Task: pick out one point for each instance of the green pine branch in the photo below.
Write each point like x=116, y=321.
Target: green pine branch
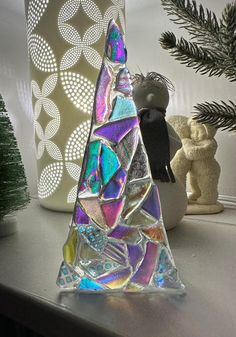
x=220, y=115
x=211, y=50
x=228, y=35
x=193, y=55
x=201, y=24
x=216, y=39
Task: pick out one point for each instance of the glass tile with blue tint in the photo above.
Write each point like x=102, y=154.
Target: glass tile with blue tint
x=92, y=167
x=87, y=284
x=165, y=261
x=94, y=236
x=123, y=108
x=109, y=163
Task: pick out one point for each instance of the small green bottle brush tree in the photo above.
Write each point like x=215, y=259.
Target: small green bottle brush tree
x=212, y=51
x=13, y=185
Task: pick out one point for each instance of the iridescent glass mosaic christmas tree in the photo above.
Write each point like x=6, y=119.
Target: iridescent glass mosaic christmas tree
x=117, y=240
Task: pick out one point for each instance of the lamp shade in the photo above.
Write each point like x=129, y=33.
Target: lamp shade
x=65, y=42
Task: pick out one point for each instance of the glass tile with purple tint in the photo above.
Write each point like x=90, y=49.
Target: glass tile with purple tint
x=80, y=218
x=135, y=255
x=152, y=203
x=122, y=232
x=115, y=187
x=147, y=267
x=117, y=130
x=115, y=48
x=112, y=211
x=102, y=97
x=123, y=82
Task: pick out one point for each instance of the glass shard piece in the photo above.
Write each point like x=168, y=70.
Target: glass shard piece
x=147, y=267
x=135, y=194
x=169, y=280
x=86, y=252
x=152, y=203
x=165, y=262
x=135, y=255
x=127, y=147
x=117, y=130
x=69, y=248
x=112, y=211
x=139, y=167
x=123, y=82
x=126, y=233
x=117, y=239
x=109, y=163
x=80, y=217
x=87, y=284
x=115, y=280
x=155, y=233
x=117, y=251
x=123, y=108
x=93, y=210
x=115, y=187
x=94, y=237
x=91, y=176
x=141, y=219
x=115, y=48
x=99, y=267
x=102, y=101
x=67, y=278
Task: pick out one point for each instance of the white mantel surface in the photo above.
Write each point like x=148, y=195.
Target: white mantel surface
x=204, y=251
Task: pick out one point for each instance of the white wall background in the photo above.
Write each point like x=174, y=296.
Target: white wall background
x=145, y=22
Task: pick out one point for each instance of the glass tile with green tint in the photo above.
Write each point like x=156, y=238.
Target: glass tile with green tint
x=109, y=163
x=92, y=167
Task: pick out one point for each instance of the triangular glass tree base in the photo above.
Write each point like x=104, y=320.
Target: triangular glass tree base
x=117, y=241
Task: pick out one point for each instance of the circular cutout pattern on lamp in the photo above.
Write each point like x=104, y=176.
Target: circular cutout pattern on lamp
x=50, y=179
x=79, y=90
